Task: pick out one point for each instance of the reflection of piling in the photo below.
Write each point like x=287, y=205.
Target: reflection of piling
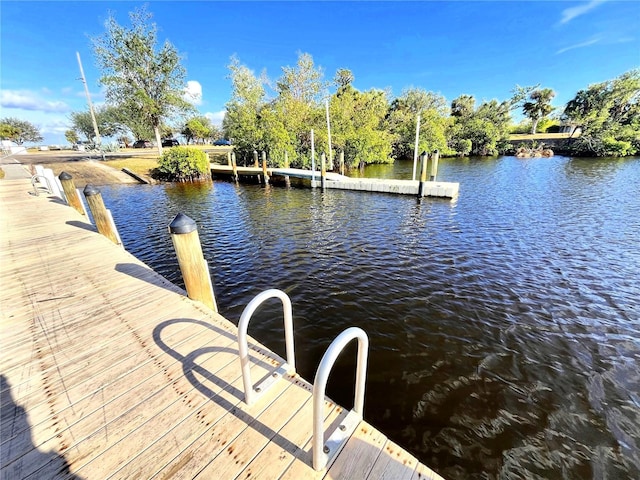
x=234, y=166
x=287, y=180
x=434, y=165
x=101, y=216
x=341, y=162
x=265, y=175
x=323, y=171
x=70, y=191
x=423, y=173
x=193, y=266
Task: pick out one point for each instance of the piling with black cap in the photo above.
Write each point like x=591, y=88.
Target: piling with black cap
x=70, y=191
x=100, y=214
x=193, y=266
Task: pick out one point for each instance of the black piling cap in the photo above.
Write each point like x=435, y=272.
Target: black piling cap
x=64, y=176
x=182, y=224
x=90, y=190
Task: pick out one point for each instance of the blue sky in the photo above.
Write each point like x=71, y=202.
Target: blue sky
x=482, y=48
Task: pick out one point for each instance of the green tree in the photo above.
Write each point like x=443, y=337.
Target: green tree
x=299, y=106
x=198, y=129
x=358, y=124
x=538, y=106
x=107, y=118
x=609, y=114
x=71, y=136
x=241, y=121
x=402, y=118
x=19, y=131
x=138, y=76
x=481, y=131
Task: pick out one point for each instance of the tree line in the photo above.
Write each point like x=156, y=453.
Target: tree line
x=145, y=92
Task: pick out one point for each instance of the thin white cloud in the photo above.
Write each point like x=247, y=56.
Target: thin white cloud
x=570, y=13
x=216, y=117
x=31, y=101
x=588, y=43
x=193, y=92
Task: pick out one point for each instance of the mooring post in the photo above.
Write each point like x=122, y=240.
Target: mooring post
x=229, y=158
x=323, y=170
x=255, y=158
x=70, y=192
x=423, y=173
x=100, y=214
x=434, y=165
x=234, y=166
x=265, y=175
x=341, y=162
x=193, y=266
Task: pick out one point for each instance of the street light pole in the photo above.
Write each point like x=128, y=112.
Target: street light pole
x=86, y=91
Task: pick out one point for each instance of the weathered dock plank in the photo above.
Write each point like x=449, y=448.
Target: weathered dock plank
x=109, y=371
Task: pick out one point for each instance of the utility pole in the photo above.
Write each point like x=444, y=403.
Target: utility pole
x=86, y=91
x=329, y=135
x=415, y=148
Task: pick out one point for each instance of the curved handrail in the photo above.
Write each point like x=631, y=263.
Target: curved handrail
x=243, y=347
x=35, y=178
x=321, y=454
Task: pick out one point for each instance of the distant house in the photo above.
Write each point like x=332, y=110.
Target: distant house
x=571, y=128
x=12, y=148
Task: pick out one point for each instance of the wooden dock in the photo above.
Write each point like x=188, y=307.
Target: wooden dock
x=108, y=371
x=336, y=181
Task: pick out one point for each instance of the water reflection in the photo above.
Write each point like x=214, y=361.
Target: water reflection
x=504, y=327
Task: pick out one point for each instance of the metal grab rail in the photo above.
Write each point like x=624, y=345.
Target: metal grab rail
x=36, y=178
x=252, y=393
x=322, y=454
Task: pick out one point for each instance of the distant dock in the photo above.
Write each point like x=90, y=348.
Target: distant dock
x=341, y=182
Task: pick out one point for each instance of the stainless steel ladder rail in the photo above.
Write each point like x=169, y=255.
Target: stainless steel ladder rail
x=251, y=392
x=323, y=454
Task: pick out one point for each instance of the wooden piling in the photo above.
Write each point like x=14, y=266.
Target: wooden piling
x=265, y=175
x=255, y=159
x=434, y=165
x=323, y=171
x=193, y=266
x=234, y=166
x=229, y=159
x=341, y=162
x=423, y=173
x=99, y=212
x=69, y=188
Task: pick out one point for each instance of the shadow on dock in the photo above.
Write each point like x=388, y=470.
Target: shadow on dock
x=192, y=370
x=82, y=225
x=147, y=275
x=15, y=433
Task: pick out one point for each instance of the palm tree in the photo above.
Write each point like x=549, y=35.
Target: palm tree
x=538, y=106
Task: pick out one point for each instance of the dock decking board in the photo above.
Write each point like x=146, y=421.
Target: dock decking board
x=109, y=371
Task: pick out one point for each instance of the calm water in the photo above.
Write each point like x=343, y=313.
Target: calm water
x=504, y=326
